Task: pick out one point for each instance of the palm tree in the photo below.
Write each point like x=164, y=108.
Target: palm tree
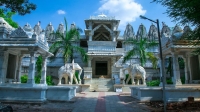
x=139, y=49
x=64, y=44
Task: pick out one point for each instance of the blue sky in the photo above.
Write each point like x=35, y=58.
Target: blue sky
x=127, y=11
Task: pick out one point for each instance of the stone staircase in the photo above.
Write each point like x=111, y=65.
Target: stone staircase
x=101, y=84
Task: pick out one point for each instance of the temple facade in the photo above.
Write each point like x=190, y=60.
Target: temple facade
x=105, y=48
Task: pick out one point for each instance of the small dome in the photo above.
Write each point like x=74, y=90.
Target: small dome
x=102, y=15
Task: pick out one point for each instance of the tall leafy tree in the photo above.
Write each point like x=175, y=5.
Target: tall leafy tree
x=8, y=18
x=21, y=7
x=185, y=12
x=140, y=49
x=64, y=44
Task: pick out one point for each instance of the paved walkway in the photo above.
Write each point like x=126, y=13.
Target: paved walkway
x=107, y=102
x=88, y=102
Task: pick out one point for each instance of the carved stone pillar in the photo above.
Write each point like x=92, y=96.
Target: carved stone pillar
x=186, y=69
x=89, y=61
x=112, y=61
x=176, y=70
x=91, y=32
x=3, y=65
x=189, y=69
x=19, y=68
x=90, y=36
x=44, y=69
x=113, y=36
x=90, y=25
x=31, y=73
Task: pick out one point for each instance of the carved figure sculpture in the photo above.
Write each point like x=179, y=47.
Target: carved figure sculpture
x=68, y=70
x=135, y=71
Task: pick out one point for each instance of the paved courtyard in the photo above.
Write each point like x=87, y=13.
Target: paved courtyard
x=89, y=102
x=107, y=102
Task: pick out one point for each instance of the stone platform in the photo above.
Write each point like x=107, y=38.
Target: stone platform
x=36, y=93
x=173, y=94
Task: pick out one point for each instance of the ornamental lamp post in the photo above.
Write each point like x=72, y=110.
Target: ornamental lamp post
x=163, y=78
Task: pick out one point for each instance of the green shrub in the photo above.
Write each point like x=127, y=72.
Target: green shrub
x=169, y=81
x=157, y=82
x=183, y=80
x=49, y=79
x=37, y=79
x=24, y=78
x=153, y=83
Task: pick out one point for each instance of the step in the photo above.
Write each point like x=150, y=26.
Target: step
x=101, y=84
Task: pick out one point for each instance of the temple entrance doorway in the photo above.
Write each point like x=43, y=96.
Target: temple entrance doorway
x=11, y=68
x=195, y=71
x=101, y=68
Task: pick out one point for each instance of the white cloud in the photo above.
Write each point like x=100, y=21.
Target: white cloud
x=125, y=10
x=61, y=12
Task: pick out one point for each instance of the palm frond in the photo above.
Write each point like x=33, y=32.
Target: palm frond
x=153, y=59
x=67, y=53
x=143, y=57
x=65, y=24
x=73, y=34
x=82, y=52
x=64, y=44
x=129, y=54
x=58, y=35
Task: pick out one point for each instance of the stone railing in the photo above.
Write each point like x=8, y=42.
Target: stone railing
x=101, y=46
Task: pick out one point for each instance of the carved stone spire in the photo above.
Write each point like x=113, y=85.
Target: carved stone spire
x=177, y=33
x=49, y=29
x=141, y=33
x=37, y=28
x=165, y=32
x=129, y=32
x=153, y=33
x=61, y=28
x=27, y=27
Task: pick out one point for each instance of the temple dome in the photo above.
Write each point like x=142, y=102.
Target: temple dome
x=102, y=15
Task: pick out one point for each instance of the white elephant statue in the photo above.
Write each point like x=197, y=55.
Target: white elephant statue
x=68, y=70
x=135, y=71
